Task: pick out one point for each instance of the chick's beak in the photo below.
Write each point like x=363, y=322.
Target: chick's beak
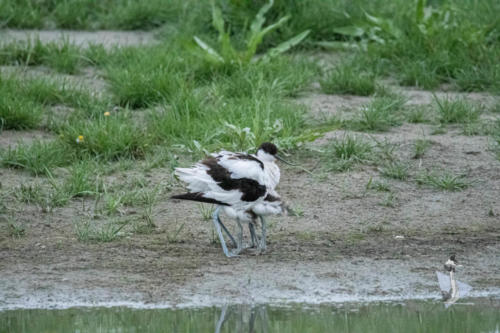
x=283, y=160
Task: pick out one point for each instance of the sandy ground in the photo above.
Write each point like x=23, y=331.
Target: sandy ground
x=347, y=246
x=81, y=38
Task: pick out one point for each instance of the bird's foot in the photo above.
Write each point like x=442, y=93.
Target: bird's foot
x=249, y=246
x=234, y=253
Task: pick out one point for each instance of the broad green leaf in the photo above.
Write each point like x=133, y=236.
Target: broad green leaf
x=226, y=49
x=386, y=25
x=210, y=51
x=336, y=45
x=352, y=30
x=217, y=19
x=420, y=10
x=373, y=19
x=285, y=46
x=259, y=19
x=256, y=38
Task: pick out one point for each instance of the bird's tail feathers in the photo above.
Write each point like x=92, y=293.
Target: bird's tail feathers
x=197, y=196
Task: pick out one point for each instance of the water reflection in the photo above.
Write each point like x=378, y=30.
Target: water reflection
x=248, y=319
x=383, y=317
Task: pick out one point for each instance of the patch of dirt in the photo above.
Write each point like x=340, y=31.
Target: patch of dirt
x=11, y=138
x=89, y=78
x=323, y=106
x=107, y=38
x=342, y=106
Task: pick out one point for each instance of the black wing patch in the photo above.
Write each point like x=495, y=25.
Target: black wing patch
x=197, y=196
x=250, y=188
x=271, y=198
x=247, y=157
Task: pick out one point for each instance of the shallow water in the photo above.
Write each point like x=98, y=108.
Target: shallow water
x=483, y=316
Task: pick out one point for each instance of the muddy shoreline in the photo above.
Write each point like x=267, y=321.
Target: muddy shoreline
x=378, y=268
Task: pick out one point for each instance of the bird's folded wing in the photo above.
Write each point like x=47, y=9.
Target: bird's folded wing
x=242, y=166
x=444, y=281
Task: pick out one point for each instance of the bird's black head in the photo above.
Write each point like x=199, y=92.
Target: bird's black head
x=269, y=148
x=452, y=258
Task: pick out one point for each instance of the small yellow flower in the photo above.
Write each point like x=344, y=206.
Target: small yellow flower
x=106, y=114
x=79, y=139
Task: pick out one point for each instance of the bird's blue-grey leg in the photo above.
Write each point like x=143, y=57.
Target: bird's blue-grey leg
x=262, y=244
x=226, y=231
x=215, y=218
x=222, y=318
x=239, y=242
x=253, y=236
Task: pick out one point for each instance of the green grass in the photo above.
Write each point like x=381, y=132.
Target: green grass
x=378, y=186
x=194, y=122
x=62, y=56
x=188, y=104
x=342, y=154
x=107, y=137
x=495, y=108
x=390, y=200
x=94, y=231
x=15, y=229
x=206, y=211
x=282, y=76
x=419, y=43
x=88, y=14
x=18, y=112
x=396, y=170
x=419, y=114
x=148, y=79
x=30, y=193
x=444, y=180
x=82, y=180
x=37, y=157
x=25, y=102
x=347, y=78
x=379, y=115
x=420, y=147
x=421, y=74
x=457, y=111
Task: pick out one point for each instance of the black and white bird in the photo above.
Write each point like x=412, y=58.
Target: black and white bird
x=451, y=289
x=242, y=185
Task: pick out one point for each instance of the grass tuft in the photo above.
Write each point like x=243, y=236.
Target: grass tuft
x=91, y=231
x=107, y=137
x=349, y=79
x=396, y=170
x=420, y=147
x=458, y=111
x=380, y=115
x=38, y=157
x=62, y=56
x=342, y=154
x=419, y=114
x=444, y=180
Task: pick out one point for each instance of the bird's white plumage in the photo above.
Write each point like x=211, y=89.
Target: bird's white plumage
x=242, y=185
x=240, y=168
x=260, y=167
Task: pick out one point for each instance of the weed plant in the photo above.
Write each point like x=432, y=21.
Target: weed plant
x=458, y=111
x=443, y=180
x=349, y=79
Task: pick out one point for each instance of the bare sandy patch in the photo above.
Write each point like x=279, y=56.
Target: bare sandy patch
x=82, y=38
x=11, y=138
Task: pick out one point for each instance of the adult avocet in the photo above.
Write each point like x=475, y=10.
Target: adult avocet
x=242, y=185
